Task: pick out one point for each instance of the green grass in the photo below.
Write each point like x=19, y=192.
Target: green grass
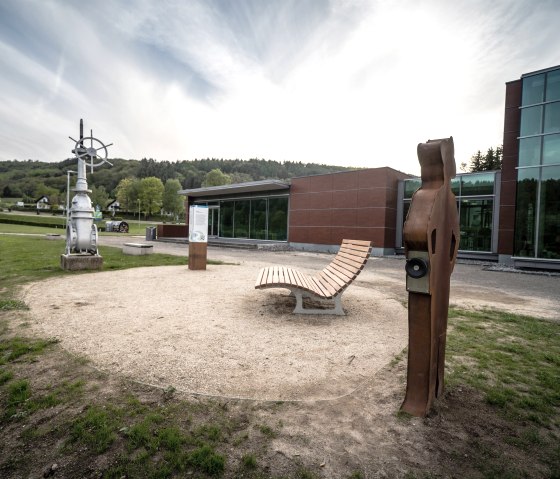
x=514, y=360
x=26, y=259
x=134, y=227
x=14, y=348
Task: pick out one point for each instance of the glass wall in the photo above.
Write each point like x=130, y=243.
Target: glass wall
x=537, y=222
x=254, y=218
x=475, y=204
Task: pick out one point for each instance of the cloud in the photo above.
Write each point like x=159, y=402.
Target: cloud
x=351, y=83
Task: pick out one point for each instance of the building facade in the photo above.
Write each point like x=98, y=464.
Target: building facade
x=511, y=216
x=530, y=205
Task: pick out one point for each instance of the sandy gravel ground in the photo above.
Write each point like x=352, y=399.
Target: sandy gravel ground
x=210, y=332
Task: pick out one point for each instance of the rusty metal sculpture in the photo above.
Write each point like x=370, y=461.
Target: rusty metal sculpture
x=431, y=240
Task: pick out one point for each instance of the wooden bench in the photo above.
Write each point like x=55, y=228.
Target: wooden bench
x=137, y=249
x=329, y=284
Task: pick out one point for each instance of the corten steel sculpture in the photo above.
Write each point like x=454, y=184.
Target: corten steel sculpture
x=431, y=240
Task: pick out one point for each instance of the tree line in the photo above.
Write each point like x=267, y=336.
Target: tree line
x=146, y=184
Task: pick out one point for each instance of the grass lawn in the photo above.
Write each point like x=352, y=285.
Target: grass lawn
x=135, y=227
x=30, y=258
x=61, y=417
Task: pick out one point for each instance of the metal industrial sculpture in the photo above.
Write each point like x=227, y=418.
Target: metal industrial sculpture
x=431, y=240
x=81, y=232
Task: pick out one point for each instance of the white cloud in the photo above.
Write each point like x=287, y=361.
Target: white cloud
x=353, y=83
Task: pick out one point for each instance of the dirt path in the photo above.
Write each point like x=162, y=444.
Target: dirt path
x=210, y=332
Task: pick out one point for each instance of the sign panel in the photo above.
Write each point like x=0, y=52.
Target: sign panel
x=198, y=224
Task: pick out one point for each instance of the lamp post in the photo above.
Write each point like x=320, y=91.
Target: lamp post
x=139, y=212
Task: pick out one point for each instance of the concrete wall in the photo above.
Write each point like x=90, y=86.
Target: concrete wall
x=361, y=205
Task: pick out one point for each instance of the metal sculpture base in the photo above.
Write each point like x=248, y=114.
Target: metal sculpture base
x=79, y=262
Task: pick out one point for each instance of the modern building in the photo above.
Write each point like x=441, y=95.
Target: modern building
x=530, y=204
x=511, y=216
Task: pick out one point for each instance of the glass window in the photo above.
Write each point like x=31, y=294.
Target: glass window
x=241, y=219
x=533, y=89
x=530, y=151
x=482, y=184
x=476, y=225
x=278, y=219
x=410, y=186
x=226, y=219
x=552, y=117
x=549, y=213
x=258, y=219
x=551, y=149
x=553, y=85
x=527, y=183
x=531, y=121
x=456, y=185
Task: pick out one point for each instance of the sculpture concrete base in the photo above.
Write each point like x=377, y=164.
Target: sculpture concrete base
x=78, y=262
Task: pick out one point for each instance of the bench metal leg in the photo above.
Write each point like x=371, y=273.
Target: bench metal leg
x=299, y=309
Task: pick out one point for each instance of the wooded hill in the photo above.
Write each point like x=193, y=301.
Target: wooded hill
x=31, y=179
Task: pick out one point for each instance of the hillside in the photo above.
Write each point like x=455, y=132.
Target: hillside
x=31, y=179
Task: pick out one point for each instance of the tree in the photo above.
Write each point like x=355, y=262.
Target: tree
x=172, y=202
x=126, y=193
x=215, y=177
x=240, y=177
x=150, y=195
x=99, y=196
x=492, y=160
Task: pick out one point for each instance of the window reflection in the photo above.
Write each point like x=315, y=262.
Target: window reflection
x=551, y=149
x=552, y=118
x=549, y=213
x=476, y=224
x=553, y=86
x=531, y=121
x=242, y=211
x=258, y=219
x=529, y=151
x=278, y=219
x=480, y=184
x=527, y=183
x=410, y=186
x=226, y=219
x=533, y=89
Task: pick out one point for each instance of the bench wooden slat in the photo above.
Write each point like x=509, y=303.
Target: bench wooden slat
x=356, y=248
x=357, y=242
x=332, y=286
x=343, y=274
x=260, y=277
x=334, y=278
x=350, y=259
x=328, y=283
x=293, y=278
x=347, y=264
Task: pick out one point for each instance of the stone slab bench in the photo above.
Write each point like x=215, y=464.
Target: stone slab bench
x=329, y=284
x=137, y=249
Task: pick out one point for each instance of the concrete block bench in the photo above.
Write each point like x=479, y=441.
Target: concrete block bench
x=137, y=249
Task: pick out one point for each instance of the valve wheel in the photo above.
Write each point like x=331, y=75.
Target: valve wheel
x=97, y=156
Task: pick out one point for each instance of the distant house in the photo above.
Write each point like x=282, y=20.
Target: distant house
x=113, y=206
x=43, y=203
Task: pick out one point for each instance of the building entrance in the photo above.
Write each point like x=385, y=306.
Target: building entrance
x=213, y=221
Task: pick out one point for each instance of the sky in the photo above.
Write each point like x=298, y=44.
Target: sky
x=342, y=82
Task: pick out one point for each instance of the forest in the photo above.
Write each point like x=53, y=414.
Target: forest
x=31, y=179
x=126, y=179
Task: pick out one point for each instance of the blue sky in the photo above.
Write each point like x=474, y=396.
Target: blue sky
x=345, y=82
